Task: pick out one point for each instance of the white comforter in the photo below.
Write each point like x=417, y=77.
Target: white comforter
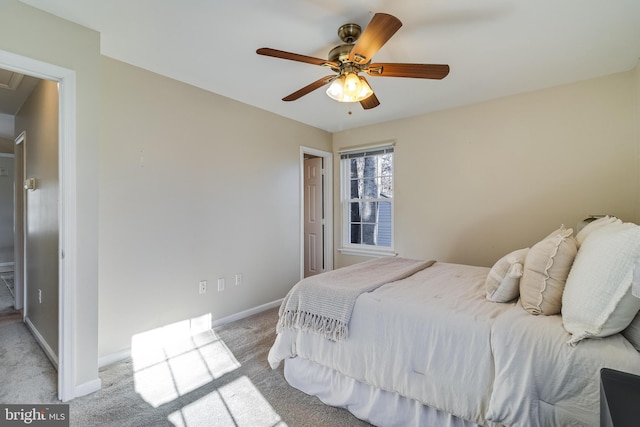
x=426, y=337
x=542, y=381
x=434, y=337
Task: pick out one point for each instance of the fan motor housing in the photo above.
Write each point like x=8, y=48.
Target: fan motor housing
x=348, y=33
x=340, y=53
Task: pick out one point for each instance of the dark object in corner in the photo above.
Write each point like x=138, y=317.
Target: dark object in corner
x=619, y=399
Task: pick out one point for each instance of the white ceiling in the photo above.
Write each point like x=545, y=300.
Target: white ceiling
x=494, y=47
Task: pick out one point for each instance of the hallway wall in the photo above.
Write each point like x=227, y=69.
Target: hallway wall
x=38, y=117
x=6, y=208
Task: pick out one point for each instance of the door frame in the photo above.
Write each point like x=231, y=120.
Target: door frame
x=327, y=197
x=19, y=233
x=67, y=210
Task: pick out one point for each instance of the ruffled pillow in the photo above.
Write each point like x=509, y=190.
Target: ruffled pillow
x=546, y=269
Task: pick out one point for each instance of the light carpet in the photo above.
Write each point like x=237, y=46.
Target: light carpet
x=216, y=378
x=27, y=375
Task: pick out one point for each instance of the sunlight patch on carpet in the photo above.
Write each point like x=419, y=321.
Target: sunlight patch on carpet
x=238, y=403
x=171, y=361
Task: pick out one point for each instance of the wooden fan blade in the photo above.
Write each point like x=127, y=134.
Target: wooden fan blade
x=418, y=71
x=309, y=88
x=370, y=102
x=381, y=28
x=296, y=57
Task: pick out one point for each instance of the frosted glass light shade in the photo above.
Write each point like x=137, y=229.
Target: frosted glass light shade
x=349, y=88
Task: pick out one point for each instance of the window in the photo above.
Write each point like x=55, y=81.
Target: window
x=367, y=200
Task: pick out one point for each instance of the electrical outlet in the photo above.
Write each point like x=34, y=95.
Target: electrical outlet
x=203, y=287
x=238, y=279
x=221, y=284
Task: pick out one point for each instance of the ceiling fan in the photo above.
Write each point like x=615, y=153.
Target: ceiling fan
x=354, y=57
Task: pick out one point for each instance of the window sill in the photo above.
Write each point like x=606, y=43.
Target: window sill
x=367, y=252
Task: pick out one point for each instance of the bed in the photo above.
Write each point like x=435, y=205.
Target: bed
x=414, y=343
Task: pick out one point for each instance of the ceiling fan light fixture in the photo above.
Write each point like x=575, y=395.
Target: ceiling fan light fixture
x=351, y=85
x=335, y=90
x=365, y=90
x=349, y=88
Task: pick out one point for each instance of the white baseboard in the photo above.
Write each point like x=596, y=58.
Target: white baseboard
x=112, y=358
x=79, y=390
x=53, y=357
x=123, y=354
x=246, y=313
x=87, y=388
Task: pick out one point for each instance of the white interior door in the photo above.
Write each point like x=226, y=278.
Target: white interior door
x=313, y=217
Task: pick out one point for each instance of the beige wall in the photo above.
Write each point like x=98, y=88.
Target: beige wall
x=6, y=209
x=38, y=118
x=193, y=186
x=6, y=201
x=33, y=34
x=474, y=183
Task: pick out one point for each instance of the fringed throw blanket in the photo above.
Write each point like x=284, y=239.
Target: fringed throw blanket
x=323, y=303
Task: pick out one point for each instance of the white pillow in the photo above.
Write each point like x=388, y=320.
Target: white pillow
x=594, y=225
x=503, y=281
x=597, y=300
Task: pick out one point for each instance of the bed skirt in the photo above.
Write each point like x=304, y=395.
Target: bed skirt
x=378, y=407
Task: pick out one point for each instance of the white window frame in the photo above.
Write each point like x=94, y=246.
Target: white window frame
x=347, y=247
